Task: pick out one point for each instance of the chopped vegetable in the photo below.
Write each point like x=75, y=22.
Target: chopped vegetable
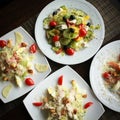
x=66, y=25
x=29, y=82
x=53, y=23
x=33, y=48
x=106, y=75
x=55, y=38
x=83, y=32
x=64, y=103
x=3, y=43
x=18, y=81
x=60, y=80
x=70, y=51
x=88, y=104
x=37, y=104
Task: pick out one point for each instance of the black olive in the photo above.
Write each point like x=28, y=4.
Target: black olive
x=71, y=30
x=65, y=47
x=54, y=13
x=72, y=17
x=89, y=24
x=64, y=18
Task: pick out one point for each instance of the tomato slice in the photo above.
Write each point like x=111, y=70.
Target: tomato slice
x=83, y=32
x=88, y=104
x=70, y=51
x=33, y=48
x=29, y=82
x=106, y=75
x=37, y=104
x=81, y=26
x=3, y=43
x=60, y=80
x=59, y=51
x=53, y=23
x=56, y=38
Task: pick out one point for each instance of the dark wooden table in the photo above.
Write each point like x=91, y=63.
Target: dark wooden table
x=14, y=13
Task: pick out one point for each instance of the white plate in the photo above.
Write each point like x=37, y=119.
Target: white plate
x=93, y=113
x=107, y=53
x=37, y=77
x=81, y=55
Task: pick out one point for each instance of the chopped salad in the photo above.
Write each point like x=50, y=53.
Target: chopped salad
x=111, y=76
x=64, y=103
x=16, y=62
x=69, y=30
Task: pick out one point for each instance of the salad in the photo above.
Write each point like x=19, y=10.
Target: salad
x=63, y=103
x=16, y=62
x=111, y=76
x=69, y=30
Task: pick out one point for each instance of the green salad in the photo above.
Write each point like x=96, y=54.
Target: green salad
x=16, y=60
x=62, y=103
x=69, y=30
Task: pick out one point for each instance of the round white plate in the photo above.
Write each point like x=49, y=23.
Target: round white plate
x=107, y=53
x=81, y=55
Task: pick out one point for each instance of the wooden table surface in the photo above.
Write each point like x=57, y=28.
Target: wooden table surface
x=15, y=13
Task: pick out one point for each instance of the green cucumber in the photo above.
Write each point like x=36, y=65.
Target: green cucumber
x=65, y=41
x=69, y=35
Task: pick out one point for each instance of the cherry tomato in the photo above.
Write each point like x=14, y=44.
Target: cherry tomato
x=70, y=51
x=33, y=48
x=53, y=23
x=3, y=43
x=56, y=38
x=37, y=104
x=81, y=26
x=60, y=80
x=59, y=51
x=83, y=32
x=29, y=82
x=88, y=104
x=106, y=75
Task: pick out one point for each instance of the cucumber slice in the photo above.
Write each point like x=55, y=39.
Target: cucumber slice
x=46, y=22
x=65, y=41
x=75, y=45
x=69, y=35
x=53, y=32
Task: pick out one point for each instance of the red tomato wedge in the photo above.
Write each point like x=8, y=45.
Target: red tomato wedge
x=59, y=51
x=33, y=48
x=56, y=38
x=106, y=75
x=70, y=51
x=53, y=23
x=88, y=104
x=3, y=43
x=29, y=82
x=60, y=80
x=37, y=104
x=83, y=32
